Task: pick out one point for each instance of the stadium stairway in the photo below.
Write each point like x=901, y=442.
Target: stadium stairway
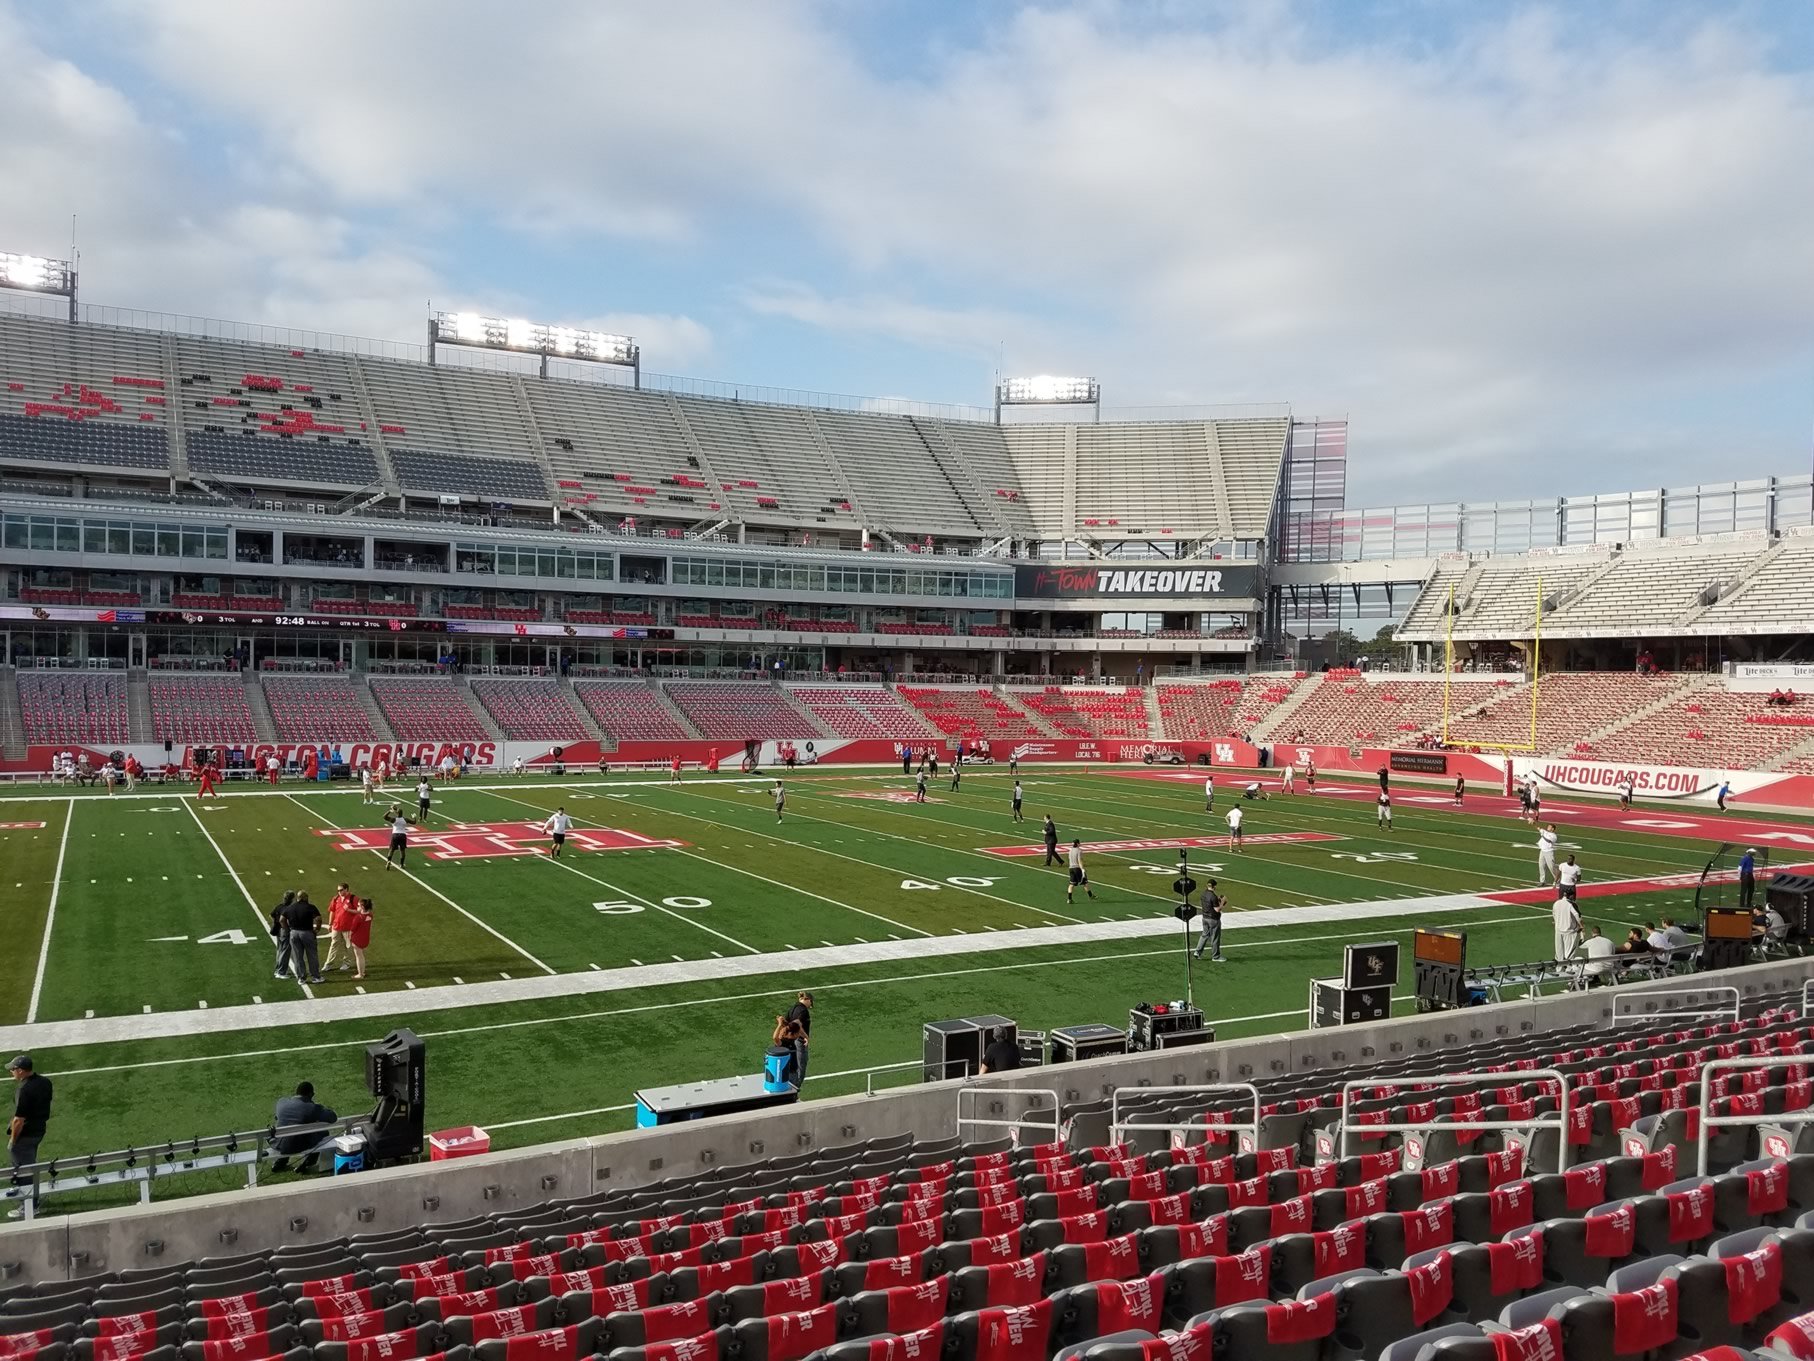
x=1675, y=695
x=463, y=684
x=1736, y=587
x=793, y=702
x=1155, y=719
x=1799, y=756
x=264, y=726
x=362, y=689
x=138, y=704
x=587, y=721
x=12, y=723
x=1279, y=719
x=1039, y=721
x=660, y=690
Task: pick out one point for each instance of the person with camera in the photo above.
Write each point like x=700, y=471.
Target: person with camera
x=1209, y=936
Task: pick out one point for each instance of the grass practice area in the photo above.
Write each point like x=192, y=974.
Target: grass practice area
x=682, y=917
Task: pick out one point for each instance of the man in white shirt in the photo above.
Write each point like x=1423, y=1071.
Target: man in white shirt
x=1209, y=795
x=1288, y=777
x=556, y=827
x=516, y=766
x=1546, y=856
x=447, y=767
x=365, y=784
x=1599, y=951
x=1235, y=842
x=273, y=768
x=1078, y=877
x=1568, y=878
x=1384, y=817
x=1567, y=922
x=1254, y=791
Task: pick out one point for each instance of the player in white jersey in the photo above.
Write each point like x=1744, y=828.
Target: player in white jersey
x=1235, y=841
x=1384, y=817
x=1546, y=856
x=365, y=784
x=556, y=827
x=779, y=794
x=1288, y=778
x=1078, y=877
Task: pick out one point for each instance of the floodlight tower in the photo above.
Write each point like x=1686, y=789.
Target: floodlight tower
x=1045, y=390
x=40, y=274
x=532, y=337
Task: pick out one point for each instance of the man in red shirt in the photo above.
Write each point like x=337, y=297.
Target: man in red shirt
x=204, y=772
x=340, y=925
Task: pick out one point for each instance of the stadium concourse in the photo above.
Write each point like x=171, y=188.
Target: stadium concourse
x=713, y=644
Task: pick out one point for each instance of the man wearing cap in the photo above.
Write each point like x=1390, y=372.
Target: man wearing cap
x=31, y=1113
x=1747, y=876
x=801, y=1014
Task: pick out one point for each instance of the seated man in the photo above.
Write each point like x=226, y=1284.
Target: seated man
x=300, y=1109
x=1599, y=951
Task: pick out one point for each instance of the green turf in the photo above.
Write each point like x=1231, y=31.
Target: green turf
x=162, y=902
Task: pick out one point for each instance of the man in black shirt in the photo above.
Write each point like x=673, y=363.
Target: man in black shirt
x=801, y=1014
x=1210, y=937
x=300, y=1109
x=1002, y=1055
x=31, y=1114
x=303, y=917
x=1052, y=842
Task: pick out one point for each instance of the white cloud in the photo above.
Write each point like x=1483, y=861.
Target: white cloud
x=1494, y=255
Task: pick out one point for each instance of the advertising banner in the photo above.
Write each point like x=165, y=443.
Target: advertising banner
x=1095, y=581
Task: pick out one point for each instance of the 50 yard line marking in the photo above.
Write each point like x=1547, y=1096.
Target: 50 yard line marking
x=476, y=921
x=50, y=915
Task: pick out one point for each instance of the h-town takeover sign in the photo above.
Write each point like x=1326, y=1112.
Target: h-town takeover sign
x=1095, y=582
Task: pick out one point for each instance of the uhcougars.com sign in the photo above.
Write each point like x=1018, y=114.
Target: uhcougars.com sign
x=1095, y=582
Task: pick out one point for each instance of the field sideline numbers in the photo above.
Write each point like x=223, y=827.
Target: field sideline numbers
x=956, y=881
x=617, y=907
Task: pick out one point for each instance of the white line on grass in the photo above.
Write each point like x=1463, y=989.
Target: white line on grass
x=784, y=991
x=650, y=902
x=263, y=924
x=739, y=869
x=479, y=922
x=50, y=915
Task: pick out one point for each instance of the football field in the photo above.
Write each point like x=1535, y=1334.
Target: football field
x=682, y=918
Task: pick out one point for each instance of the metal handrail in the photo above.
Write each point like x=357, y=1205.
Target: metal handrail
x=1704, y=1108
x=143, y=1166
x=1117, y=1124
x=1559, y=1123
x=1682, y=1010
x=989, y=1122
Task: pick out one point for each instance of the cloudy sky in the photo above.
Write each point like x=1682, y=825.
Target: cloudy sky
x=1527, y=251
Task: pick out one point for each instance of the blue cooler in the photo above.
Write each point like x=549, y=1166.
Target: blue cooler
x=774, y=1070
x=349, y=1154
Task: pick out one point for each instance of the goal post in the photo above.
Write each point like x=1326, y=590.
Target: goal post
x=1535, y=659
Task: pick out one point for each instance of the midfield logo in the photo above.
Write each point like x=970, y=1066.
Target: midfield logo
x=487, y=840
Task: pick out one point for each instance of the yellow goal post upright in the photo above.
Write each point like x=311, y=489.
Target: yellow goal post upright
x=1535, y=660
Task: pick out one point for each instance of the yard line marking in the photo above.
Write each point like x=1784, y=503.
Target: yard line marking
x=648, y=902
x=479, y=922
x=410, y=986
x=202, y=1005
x=257, y=1001
x=787, y=991
x=223, y=1019
x=739, y=869
x=50, y=915
x=264, y=924
x=459, y=980
x=89, y=1014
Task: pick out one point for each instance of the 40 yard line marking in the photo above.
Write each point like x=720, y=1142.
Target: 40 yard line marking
x=476, y=921
x=50, y=915
x=251, y=902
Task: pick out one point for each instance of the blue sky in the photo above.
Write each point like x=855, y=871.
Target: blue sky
x=1526, y=250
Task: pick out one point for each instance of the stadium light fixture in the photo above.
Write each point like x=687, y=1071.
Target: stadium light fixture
x=39, y=274
x=1047, y=390
x=531, y=337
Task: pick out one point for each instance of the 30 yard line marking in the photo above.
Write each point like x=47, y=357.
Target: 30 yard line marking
x=479, y=922
x=264, y=926
x=50, y=915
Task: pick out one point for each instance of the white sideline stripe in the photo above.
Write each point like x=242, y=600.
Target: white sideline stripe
x=264, y=925
x=476, y=921
x=223, y=1020
x=50, y=915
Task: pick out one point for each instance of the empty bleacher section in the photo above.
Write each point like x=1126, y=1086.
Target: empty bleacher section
x=969, y=712
x=200, y=709
x=260, y=413
x=1136, y=1244
x=530, y=710
x=87, y=707
x=861, y=711
x=1649, y=587
x=906, y=486
x=621, y=453
x=455, y=431
x=317, y=708
x=1708, y=726
x=1347, y=707
x=1083, y=712
x=1570, y=707
x=1203, y=711
x=739, y=711
x=1773, y=599
x=770, y=461
x=629, y=711
x=426, y=710
x=983, y=451
x=88, y=397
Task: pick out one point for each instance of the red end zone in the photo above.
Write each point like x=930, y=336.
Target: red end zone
x=482, y=840
x=1174, y=843
x=1614, y=887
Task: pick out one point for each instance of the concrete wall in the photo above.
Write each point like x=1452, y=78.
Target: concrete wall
x=63, y=1247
